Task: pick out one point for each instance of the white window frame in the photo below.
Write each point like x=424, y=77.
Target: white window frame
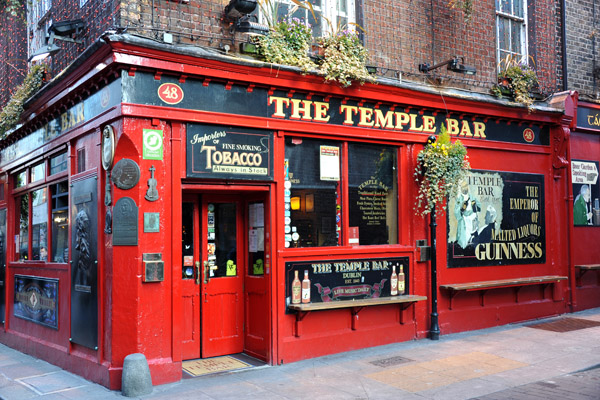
x=330, y=10
x=513, y=18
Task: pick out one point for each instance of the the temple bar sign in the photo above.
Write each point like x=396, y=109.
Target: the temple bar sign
x=223, y=152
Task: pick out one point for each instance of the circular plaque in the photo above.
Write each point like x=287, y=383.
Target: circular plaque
x=125, y=174
x=108, y=146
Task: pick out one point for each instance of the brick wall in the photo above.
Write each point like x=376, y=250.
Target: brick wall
x=400, y=34
x=582, y=47
x=13, y=54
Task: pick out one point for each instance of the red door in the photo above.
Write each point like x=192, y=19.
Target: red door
x=222, y=292
x=225, y=265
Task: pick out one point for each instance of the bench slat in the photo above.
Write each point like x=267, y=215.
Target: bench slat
x=588, y=266
x=330, y=305
x=469, y=286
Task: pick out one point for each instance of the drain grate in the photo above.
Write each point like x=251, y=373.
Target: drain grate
x=390, y=362
x=566, y=325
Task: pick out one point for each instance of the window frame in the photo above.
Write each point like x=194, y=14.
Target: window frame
x=47, y=182
x=328, y=11
x=512, y=18
x=344, y=187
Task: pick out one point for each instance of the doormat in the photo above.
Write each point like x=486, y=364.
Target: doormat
x=213, y=365
x=566, y=325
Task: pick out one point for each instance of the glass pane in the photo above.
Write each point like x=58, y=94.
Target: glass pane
x=58, y=163
x=39, y=225
x=222, y=252
x=24, y=228
x=518, y=8
x=38, y=172
x=187, y=240
x=256, y=239
x=504, y=34
x=505, y=6
x=21, y=179
x=60, y=222
x=516, y=33
x=373, y=193
x=312, y=197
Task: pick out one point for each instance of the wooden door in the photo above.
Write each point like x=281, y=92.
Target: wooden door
x=223, y=269
x=190, y=279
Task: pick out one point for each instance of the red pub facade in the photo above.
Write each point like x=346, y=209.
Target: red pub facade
x=185, y=205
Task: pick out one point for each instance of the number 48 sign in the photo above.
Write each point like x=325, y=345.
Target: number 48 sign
x=170, y=93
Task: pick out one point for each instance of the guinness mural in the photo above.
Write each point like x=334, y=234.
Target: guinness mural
x=497, y=218
x=36, y=300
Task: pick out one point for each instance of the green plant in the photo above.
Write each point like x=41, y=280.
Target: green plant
x=11, y=113
x=465, y=5
x=441, y=165
x=344, y=59
x=288, y=43
x=14, y=8
x=519, y=78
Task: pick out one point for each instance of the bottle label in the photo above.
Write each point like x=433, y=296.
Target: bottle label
x=296, y=294
x=401, y=287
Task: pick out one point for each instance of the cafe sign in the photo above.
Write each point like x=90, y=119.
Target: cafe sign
x=221, y=152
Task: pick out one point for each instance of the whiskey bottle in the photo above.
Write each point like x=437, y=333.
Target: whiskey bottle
x=394, y=282
x=296, y=288
x=306, y=288
x=401, y=280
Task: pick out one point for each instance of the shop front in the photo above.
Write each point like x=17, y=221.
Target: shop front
x=209, y=206
x=584, y=204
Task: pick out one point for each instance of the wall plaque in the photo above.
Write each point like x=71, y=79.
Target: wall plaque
x=125, y=174
x=154, y=271
x=125, y=223
x=36, y=300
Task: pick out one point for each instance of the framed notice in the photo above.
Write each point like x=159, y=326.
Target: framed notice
x=586, y=193
x=330, y=163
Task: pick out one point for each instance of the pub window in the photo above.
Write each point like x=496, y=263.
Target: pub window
x=80, y=160
x=312, y=193
x=60, y=221
x=373, y=194
x=58, y=163
x=38, y=172
x=21, y=179
x=42, y=214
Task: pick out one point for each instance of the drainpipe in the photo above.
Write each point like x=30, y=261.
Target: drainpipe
x=563, y=14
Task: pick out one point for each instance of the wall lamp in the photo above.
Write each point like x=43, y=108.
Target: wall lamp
x=58, y=31
x=454, y=64
x=239, y=10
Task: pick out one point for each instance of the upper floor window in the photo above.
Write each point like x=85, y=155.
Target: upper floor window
x=511, y=29
x=330, y=14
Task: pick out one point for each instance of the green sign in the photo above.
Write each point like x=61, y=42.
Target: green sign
x=153, y=144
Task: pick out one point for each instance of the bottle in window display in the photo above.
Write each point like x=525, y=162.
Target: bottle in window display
x=296, y=289
x=394, y=282
x=401, y=280
x=306, y=288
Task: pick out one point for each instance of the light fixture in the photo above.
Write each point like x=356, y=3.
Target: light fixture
x=295, y=203
x=238, y=8
x=244, y=25
x=310, y=202
x=57, y=32
x=454, y=64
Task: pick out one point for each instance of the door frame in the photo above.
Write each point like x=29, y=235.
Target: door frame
x=247, y=195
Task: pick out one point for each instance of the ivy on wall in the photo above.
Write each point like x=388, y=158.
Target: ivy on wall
x=11, y=113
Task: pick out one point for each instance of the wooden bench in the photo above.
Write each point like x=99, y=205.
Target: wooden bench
x=355, y=306
x=517, y=283
x=585, y=268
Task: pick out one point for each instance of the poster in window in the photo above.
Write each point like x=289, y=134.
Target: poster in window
x=586, y=193
x=330, y=163
x=497, y=218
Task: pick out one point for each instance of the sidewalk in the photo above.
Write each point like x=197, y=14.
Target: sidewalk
x=510, y=362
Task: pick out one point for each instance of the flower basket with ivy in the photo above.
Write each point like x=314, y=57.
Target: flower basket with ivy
x=441, y=165
x=287, y=43
x=344, y=58
x=517, y=78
